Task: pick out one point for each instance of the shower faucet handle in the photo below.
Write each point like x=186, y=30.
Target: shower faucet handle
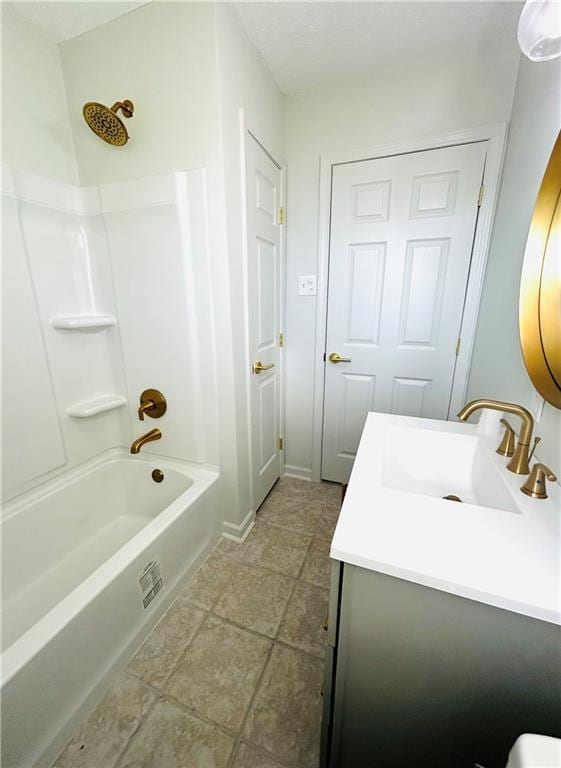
x=152, y=403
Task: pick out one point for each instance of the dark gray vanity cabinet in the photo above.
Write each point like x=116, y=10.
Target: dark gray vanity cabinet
x=417, y=677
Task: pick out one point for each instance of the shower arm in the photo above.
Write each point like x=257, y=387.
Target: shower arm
x=125, y=106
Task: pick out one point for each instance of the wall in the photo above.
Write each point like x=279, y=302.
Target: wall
x=497, y=369
x=36, y=133
x=161, y=56
x=56, y=262
x=86, y=251
x=188, y=68
x=407, y=100
x=163, y=307
x=244, y=84
x=47, y=270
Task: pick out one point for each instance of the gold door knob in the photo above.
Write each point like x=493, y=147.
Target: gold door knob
x=335, y=357
x=258, y=366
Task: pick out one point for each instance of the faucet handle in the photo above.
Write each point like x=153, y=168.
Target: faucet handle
x=507, y=444
x=535, y=485
x=152, y=403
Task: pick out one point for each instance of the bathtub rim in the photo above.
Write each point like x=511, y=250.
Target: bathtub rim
x=22, y=650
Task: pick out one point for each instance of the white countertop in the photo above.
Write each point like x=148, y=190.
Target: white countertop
x=510, y=560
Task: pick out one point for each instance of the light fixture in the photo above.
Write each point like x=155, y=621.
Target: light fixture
x=539, y=29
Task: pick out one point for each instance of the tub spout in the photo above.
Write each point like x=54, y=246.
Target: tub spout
x=154, y=434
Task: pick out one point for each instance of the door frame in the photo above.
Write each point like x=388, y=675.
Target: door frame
x=496, y=135
x=245, y=133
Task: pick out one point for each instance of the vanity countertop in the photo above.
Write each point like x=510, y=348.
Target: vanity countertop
x=508, y=559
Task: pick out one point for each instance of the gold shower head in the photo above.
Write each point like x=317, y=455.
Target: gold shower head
x=106, y=123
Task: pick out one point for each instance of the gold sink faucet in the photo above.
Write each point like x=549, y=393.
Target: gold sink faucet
x=154, y=434
x=519, y=462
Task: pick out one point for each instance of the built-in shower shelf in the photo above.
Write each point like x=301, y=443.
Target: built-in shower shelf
x=100, y=404
x=83, y=322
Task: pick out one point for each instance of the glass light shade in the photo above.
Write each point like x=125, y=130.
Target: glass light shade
x=539, y=29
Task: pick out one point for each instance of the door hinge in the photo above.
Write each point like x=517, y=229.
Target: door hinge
x=458, y=344
x=281, y=339
x=281, y=215
x=280, y=443
x=480, y=196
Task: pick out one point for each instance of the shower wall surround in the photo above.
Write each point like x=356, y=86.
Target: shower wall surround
x=191, y=72
x=135, y=252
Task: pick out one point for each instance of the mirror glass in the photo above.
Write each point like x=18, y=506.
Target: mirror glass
x=540, y=287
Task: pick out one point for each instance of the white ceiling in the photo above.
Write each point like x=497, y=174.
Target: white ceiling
x=306, y=44
x=63, y=20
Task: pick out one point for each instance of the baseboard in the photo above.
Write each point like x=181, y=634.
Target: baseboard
x=302, y=473
x=239, y=532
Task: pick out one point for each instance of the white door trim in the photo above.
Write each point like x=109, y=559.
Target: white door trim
x=245, y=132
x=496, y=135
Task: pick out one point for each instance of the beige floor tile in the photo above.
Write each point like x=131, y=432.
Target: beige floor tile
x=284, y=718
x=277, y=549
x=254, y=597
x=317, y=565
x=300, y=516
x=327, y=522
x=171, y=738
x=250, y=757
x=231, y=548
x=219, y=672
x=303, y=623
x=207, y=584
x=106, y=732
x=300, y=489
x=333, y=493
x=289, y=485
x=158, y=655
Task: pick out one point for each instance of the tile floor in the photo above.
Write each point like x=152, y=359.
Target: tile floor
x=231, y=676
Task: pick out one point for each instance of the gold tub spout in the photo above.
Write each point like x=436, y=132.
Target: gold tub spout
x=154, y=434
x=519, y=462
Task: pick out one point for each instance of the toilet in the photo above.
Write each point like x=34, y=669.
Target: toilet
x=534, y=751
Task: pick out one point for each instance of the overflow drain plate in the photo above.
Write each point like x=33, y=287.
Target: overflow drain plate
x=157, y=475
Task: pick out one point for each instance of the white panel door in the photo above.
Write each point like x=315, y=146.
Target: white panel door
x=263, y=225
x=402, y=232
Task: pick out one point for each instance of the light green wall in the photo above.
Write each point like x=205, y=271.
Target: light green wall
x=497, y=369
x=162, y=57
x=36, y=132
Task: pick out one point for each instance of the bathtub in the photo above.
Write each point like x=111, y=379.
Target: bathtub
x=90, y=562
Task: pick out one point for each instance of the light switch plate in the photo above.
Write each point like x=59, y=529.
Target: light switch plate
x=307, y=285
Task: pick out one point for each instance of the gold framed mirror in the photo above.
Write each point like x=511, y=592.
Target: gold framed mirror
x=540, y=287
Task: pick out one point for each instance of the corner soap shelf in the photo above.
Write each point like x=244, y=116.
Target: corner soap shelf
x=100, y=404
x=83, y=322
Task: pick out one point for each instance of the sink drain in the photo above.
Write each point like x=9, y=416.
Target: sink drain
x=452, y=497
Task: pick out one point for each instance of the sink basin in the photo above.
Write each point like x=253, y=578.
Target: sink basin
x=441, y=463
x=499, y=547
x=534, y=751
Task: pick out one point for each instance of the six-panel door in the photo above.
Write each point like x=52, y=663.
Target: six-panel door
x=402, y=232
x=263, y=206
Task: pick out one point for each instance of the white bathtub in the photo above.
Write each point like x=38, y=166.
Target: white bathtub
x=73, y=608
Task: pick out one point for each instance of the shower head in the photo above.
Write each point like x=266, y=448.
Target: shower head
x=106, y=123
